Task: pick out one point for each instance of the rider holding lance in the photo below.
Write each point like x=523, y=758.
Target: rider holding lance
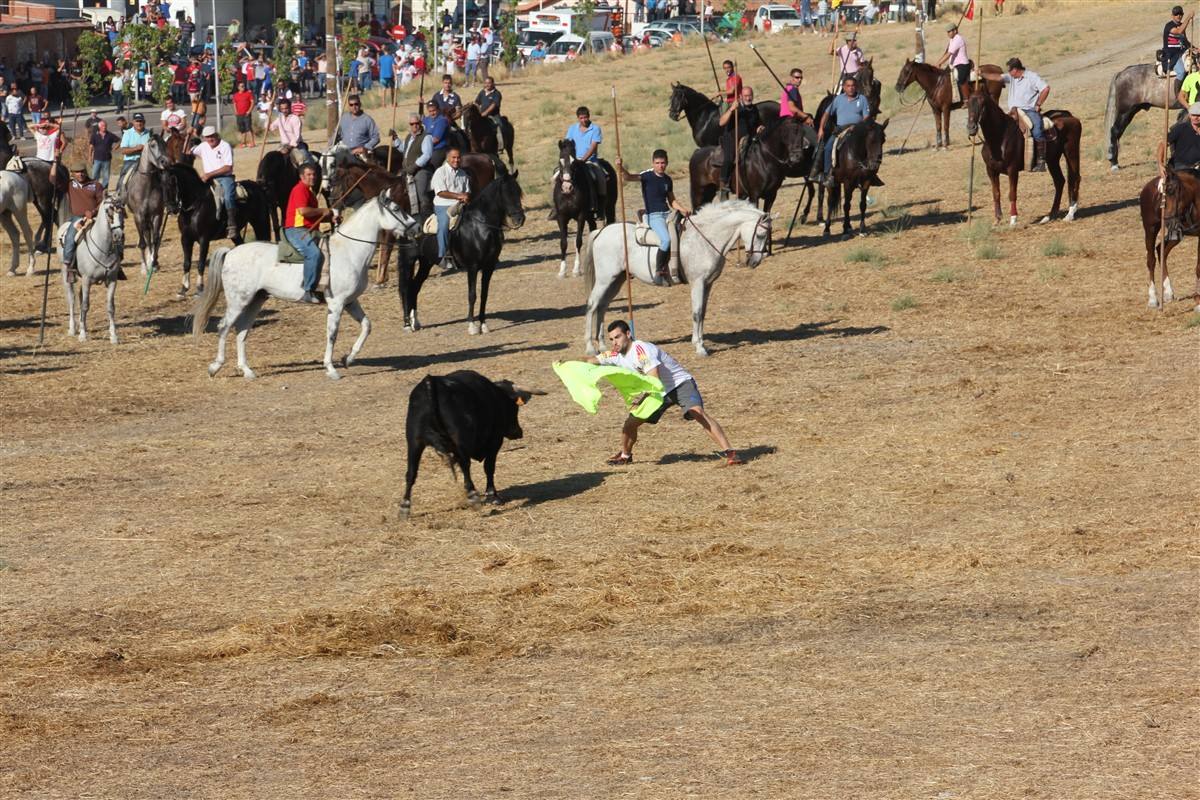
x=587, y=136
x=84, y=196
x=1175, y=43
x=744, y=117
x=956, y=54
x=848, y=108
x=488, y=100
x=658, y=195
x=1184, y=139
x=1028, y=92
x=302, y=220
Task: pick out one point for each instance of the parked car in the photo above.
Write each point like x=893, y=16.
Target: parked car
x=560, y=51
x=781, y=17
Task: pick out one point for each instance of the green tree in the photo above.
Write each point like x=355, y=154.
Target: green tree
x=93, y=49
x=354, y=37
x=226, y=66
x=152, y=45
x=508, y=40
x=581, y=21
x=286, y=35
x=733, y=14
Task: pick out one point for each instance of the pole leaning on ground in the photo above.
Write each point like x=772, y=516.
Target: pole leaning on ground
x=381, y=266
x=621, y=195
x=1162, y=200
x=981, y=85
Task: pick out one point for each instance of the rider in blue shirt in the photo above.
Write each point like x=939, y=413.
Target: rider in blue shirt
x=658, y=197
x=848, y=108
x=586, y=137
x=437, y=128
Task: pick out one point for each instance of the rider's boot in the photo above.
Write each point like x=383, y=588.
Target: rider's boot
x=662, y=276
x=1039, y=156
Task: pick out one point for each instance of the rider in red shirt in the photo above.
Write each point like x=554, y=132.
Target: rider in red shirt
x=733, y=85
x=300, y=229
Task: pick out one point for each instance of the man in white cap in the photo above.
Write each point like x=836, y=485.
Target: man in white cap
x=849, y=55
x=1184, y=139
x=216, y=164
x=956, y=54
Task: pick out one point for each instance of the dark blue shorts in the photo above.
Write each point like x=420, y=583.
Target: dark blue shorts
x=686, y=395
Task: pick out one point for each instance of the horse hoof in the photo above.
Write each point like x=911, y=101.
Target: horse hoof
x=113, y=340
x=1043, y=220
x=12, y=273
x=1114, y=169
x=248, y=374
x=473, y=328
x=405, y=510
x=483, y=328
x=333, y=374
x=214, y=368
x=1071, y=213
x=1012, y=221
x=83, y=336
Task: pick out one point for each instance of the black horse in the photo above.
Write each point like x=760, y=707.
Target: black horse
x=191, y=199
x=487, y=136
x=278, y=175
x=702, y=113
x=574, y=198
x=785, y=149
x=475, y=245
x=859, y=156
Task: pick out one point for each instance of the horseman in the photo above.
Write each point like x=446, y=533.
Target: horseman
x=586, y=136
x=847, y=109
x=1184, y=139
x=437, y=128
x=1175, y=43
x=448, y=101
x=216, y=167
x=84, y=196
x=133, y=141
x=956, y=54
x=790, y=102
x=1028, y=92
x=416, y=157
x=488, y=100
x=303, y=220
x=291, y=133
x=658, y=196
x=849, y=55
x=356, y=130
x=451, y=186
x=733, y=85
x=744, y=121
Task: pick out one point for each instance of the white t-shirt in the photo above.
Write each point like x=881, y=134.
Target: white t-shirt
x=172, y=119
x=643, y=357
x=46, y=144
x=213, y=158
x=13, y=103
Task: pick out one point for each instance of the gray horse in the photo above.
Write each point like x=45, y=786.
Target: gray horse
x=98, y=260
x=1134, y=89
x=14, y=198
x=143, y=193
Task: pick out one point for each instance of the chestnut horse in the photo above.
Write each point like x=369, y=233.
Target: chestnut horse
x=940, y=91
x=1004, y=152
x=1176, y=197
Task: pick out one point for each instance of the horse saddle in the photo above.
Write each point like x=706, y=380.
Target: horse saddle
x=838, y=138
x=239, y=192
x=431, y=222
x=644, y=235
x=1022, y=116
x=1161, y=70
x=287, y=253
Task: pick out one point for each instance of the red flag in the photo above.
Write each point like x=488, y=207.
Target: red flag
x=970, y=13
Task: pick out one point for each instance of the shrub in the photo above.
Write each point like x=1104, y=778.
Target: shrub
x=988, y=251
x=865, y=255
x=904, y=302
x=1055, y=248
x=945, y=275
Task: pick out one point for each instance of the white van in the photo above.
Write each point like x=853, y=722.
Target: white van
x=530, y=36
x=560, y=51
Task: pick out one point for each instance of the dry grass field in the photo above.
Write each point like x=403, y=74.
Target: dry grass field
x=960, y=563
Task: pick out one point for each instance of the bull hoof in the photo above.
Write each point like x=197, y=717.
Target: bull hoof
x=405, y=510
x=492, y=498
x=1114, y=169
x=483, y=328
x=474, y=499
x=473, y=328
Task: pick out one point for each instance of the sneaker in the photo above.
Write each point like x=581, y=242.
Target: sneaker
x=314, y=297
x=620, y=460
x=732, y=459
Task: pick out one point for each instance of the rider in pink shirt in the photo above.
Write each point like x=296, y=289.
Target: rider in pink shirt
x=850, y=56
x=956, y=54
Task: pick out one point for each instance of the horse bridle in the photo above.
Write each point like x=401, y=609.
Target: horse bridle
x=111, y=258
x=763, y=218
x=387, y=205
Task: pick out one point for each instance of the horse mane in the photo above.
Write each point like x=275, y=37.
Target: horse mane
x=691, y=93
x=722, y=212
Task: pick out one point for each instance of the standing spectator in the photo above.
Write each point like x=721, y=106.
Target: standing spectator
x=100, y=147
x=178, y=83
x=248, y=71
x=37, y=105
x=473, y=52
x=234, y=31
x=243, y=104
x=172, y=118
x=387, y=72
x=187, y=32
x=261, y=74
x=118, y=91
x=823, y=17
x=365, y=62
x=870, y=12
x=322, y=63
x=806, y=16
x=14, y=109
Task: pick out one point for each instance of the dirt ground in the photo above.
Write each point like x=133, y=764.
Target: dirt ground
x=960, y=562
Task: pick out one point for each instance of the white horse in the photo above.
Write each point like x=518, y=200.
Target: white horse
x=98, y=260
x=14, y=198
x=709, y=235
x=249, y=273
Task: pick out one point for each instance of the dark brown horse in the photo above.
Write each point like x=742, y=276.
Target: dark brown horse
x=482, y=133
x=859, y=156
x=1004, y=152
x=940, y=91
x=573, y=200
x=1181, y=207
x=785, y=149
x=179, y=146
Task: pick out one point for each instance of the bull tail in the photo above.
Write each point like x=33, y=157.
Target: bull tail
x=434, y=432
x=586, y=262
x=212, y=290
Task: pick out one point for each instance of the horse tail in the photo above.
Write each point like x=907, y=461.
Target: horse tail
x=212, y=290
x=587, y=262
x=1110, y=114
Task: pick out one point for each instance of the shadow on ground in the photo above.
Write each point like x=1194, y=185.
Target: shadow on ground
x=749, y=454
x=531, y=494
x=731, y=340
